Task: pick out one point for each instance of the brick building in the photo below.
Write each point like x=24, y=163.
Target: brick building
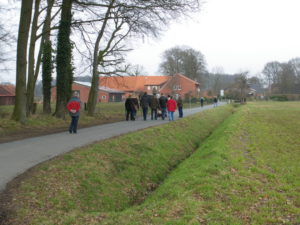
x=174, y=85
x=7, y=94
x=105, y=94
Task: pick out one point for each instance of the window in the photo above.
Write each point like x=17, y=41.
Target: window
x=177, y=87
x=103, y=96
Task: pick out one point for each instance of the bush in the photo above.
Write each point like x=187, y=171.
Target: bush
x=279, y=98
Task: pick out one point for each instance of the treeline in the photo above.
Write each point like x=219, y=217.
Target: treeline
x=283, y=77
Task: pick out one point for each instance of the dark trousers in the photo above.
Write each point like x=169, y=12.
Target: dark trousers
x=180, y=112
x=73, y=125
x=154, y=112
x=201, y=104
x=131, y=113
x=163, y=112
x=145, y=112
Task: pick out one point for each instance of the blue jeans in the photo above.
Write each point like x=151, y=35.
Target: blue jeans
x=145, y=112
x=180, y=112
x=171, y=115
x=154, y=111
x=73, y=125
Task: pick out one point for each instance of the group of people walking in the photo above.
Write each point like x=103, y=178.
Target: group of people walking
x=162, y=106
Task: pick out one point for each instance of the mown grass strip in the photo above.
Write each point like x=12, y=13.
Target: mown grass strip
x=39, y=123
x=247, y=172
x=109, y=176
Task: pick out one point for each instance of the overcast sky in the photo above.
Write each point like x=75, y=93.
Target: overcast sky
x=236, y=35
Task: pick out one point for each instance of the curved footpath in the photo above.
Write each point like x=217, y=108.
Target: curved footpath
x=18, y=156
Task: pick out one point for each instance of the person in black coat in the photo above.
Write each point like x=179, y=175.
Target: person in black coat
x=130, y=108
x=163, y=105
x=145, y=102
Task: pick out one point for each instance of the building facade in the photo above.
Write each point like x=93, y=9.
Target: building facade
x=169, y=85
x=7, y=94
x=105, y=94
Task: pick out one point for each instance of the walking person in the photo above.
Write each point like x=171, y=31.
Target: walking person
x=215, y=101
x=144, y=102
x=171, y=106
x=180, y=106
x=154, y=105
x=135, y=106
x=201, y=101
x=163, y=105
x=129, y=108
x=73, y=107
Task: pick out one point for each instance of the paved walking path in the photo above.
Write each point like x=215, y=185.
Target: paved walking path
x=18, y=156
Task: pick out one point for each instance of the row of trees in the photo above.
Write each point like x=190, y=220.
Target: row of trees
x=98, y=30
x=283, y=78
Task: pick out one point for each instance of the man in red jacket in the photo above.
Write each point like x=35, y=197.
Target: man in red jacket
x=171, y=105
x=73, y=107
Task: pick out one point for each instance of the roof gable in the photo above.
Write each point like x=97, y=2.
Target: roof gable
x=7, y=90
x=132, y=83
x=101, y=88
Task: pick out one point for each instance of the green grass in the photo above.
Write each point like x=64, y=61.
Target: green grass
x=40, y=123
x=247, y=172
x=109, y=176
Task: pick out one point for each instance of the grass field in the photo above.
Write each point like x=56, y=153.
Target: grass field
x=111, y=175
x=40, y=123
x=245, y=172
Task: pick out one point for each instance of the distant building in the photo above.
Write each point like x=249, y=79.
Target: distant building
x=83, y=88
x=7, y=94
x=169, y=85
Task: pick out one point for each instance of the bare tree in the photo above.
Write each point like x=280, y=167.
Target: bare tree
x=136, y=70
x=116, y=21
x=271, y=72
x=287, y=79
x=19, y=112
x=295, y=64
x=241, y=83
x=184, y=60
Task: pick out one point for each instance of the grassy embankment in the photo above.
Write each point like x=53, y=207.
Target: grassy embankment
x=40, y=123
x=247, y=172
x=87, y=184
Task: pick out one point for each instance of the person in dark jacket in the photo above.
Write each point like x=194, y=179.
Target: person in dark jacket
x=73, y=107
x=163, y=105
x=201, y=101
x=180, y=106
x=215, y=101
x=144, y=102
x=154, y=105
x=129, y=107
x=135, y=106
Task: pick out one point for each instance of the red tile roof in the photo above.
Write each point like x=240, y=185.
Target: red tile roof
x=132, y=83
x=7, y=90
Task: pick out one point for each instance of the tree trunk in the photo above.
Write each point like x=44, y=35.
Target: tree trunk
x=46, y=74
x=63, y=60
x=19, y=113
x=97, y=57
x=31, y=59
x=47, y=61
